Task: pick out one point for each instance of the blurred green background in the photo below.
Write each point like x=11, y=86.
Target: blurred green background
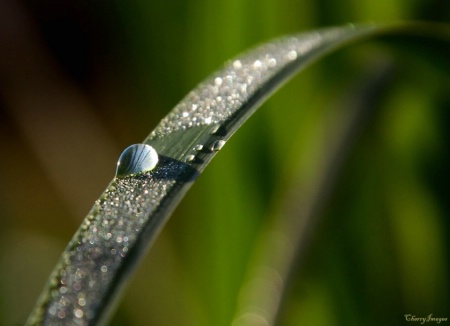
x=80, y=81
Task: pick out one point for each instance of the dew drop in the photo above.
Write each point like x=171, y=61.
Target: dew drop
x=292, y=55
x=190, y=158
x=215, y=130
x=237, y=64
x=257, y=64
x=217, y=145
x=198, y=147
x=272, y=62
x=78, y=313
x=135, y=159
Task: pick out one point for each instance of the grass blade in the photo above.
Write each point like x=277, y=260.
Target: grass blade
x=126, y=219
x=281, y=247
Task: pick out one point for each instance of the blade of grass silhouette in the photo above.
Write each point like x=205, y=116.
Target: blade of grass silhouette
x=124, y=222
x=281, y=247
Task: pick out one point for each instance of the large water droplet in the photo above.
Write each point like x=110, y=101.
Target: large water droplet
x=135, y=159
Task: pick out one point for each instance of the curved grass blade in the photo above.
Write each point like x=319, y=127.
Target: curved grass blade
x=280, y=248
x=126, y=219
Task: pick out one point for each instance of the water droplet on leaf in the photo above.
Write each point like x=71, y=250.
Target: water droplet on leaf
x=136, y=159
x=217, y=145
x=292, y=55
x=215, y=130
x=198, y=147
x=190, y=158
x=257, y=64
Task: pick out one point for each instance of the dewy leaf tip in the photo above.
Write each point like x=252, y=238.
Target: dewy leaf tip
x=126, y=219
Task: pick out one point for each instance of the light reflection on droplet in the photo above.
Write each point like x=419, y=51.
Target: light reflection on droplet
x=135, y=159
x=78, y=313
x=190, y=158
x=215, y=130
x=292, y=55
x=217, y=145
x=257, y=64
x=198, y=147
